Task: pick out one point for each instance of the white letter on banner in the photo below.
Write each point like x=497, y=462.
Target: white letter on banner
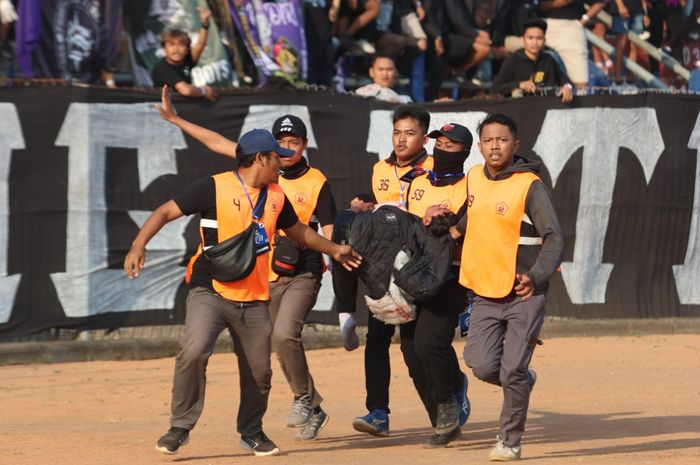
x=381, y=128
x=601, y=132
x=87, y=287
x=687, y=274
x=10, y=138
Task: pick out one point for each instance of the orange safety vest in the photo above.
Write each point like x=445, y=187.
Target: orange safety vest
x=386, y=184
x=422, y=194
x=303, y=193
x=495, y=212
x=234, y=214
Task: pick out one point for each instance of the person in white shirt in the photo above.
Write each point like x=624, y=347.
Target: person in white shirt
x=383, y=73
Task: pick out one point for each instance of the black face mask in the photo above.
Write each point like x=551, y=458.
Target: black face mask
x=449, y=162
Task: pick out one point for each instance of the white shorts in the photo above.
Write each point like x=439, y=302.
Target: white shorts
x=567, y=37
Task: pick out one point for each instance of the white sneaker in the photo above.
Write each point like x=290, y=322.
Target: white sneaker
x=503, y=453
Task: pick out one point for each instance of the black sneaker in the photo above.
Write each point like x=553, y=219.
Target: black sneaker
x=171, y=441
x=441, y=440
x=447, y=416
x=259, y=444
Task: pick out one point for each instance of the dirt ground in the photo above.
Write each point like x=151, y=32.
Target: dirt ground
x=607, y=400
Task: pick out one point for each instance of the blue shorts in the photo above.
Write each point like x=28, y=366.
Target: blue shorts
x=622, y=25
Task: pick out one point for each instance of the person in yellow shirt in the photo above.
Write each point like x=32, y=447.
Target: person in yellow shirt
x=295, y=277
x=229, y=203
x=426, y=343
x=513, y=244
x=408, y=139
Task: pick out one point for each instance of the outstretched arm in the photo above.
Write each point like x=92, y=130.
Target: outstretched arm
x=213, y=140
x=198, y=48
x=134, y=260
x=343, y=254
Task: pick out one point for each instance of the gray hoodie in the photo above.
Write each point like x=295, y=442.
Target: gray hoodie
x=538, y=262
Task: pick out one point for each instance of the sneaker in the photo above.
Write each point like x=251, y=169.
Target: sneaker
x=447, y=416
x=531, y=377
x=441, y=440
x=348, y=328
x=503, y=453
x=171, y=441
x=259, y=444
x=310, y=431
x=465, y=407
x=375, y=423
x=300, y=412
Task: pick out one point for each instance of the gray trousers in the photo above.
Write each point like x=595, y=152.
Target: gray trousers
x=502, y=336
x=291, y=300
x=249, y=326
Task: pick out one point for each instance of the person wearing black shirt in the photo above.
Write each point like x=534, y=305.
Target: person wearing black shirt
x=531, y=67
x=241, y=305
x=174, y=70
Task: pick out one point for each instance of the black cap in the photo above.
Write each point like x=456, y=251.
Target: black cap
x=291, y=124
x=455, y=132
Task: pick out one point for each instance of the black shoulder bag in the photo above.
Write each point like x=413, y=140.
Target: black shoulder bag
x=234, y=259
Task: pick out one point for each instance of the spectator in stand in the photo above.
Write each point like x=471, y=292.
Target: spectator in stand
x=370, y=23
x=628, y=16
x=601, y=59
x=531, y=68
x=8, y=16
x=565, y=22
x=383, y=73
x=174, y=70
x=456, y=40
x=668, y=13
x=319, y=16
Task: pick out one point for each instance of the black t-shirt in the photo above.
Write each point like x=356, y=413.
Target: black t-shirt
x=165, y=73
x=574, y=10
x=200, y=198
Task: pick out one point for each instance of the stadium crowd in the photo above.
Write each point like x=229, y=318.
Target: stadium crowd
x=435, y=45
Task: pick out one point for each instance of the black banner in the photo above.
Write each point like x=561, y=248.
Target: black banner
x=81, y=169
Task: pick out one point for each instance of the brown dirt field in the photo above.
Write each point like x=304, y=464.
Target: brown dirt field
x=609, y=400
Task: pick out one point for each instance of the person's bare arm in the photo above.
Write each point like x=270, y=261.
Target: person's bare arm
x=548, y=5
x=188, y=90
x=198, y=48
x=135, y=259
x=370, y=14
x=213, y=140
x=343, y=254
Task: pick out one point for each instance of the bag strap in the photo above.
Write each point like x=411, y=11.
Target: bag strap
x=259, y=208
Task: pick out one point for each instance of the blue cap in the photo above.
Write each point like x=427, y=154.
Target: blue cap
x=261, y=140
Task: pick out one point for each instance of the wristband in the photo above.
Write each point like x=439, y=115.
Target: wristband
x=568, y=86
x=418, y=4
x=203, y=91
x=110, y=83
x=205, y=26
x=585, y=18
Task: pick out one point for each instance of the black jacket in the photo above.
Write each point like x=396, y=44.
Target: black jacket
x=538, y=262
x=380, y=235
x=544, y=71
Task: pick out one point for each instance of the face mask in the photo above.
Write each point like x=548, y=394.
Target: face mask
x=449, y=162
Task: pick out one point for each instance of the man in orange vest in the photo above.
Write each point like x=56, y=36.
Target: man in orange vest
x=408, y=138
x=295, y=277
x=227, y=203
x=426, y=343
x=512, y=246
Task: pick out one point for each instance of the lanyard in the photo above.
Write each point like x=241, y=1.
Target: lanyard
x=255, y=215
x=434, y=178
x=402, y=186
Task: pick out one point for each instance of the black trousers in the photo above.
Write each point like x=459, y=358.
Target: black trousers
x=426, y=344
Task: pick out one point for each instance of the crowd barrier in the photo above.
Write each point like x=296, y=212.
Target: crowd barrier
x=82, y=168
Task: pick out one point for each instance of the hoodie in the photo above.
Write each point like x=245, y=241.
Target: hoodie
x=538, y=262
x=543, y=71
